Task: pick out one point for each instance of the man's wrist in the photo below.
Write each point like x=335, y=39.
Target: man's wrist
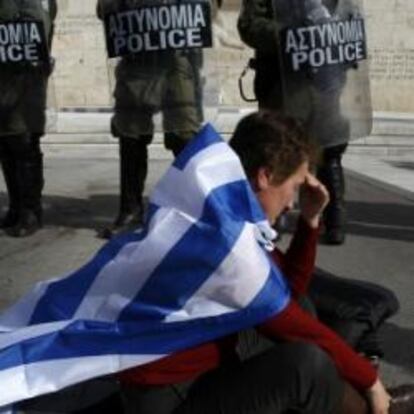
x=313, y=222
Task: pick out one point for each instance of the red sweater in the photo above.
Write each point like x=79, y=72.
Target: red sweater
x=291, y=324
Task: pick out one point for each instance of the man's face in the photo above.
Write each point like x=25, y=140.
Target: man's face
x=278, y=198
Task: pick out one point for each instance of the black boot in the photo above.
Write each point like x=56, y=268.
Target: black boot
x=133, y=172
x=334, y=217
x=29, y=169
x=174, y=142
x=10, y=178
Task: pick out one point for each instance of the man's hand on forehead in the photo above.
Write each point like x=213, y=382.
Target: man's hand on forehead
x=313, y=198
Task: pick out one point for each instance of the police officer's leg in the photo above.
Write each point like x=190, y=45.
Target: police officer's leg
x=136, y=101
x=8, y=165
x=38, y=176
x=29, y=167
x=332, y=176
x=175, y=142
x=133, y=154
x=268, y=85
x=133, y=173
x=182, y=105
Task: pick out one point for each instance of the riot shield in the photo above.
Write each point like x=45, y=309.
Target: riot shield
x=51, y=107
x=25, y=65
x=323, y=67
x=164, y=77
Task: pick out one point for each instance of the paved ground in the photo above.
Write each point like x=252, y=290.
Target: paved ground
x=81, y=196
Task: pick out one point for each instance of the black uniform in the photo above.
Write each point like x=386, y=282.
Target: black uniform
x=313, y=97
x=166, y=82
x=23, y=90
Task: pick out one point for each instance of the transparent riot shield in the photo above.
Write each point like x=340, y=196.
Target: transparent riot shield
x=323, y=67
x=51, y=108
x=161, y=65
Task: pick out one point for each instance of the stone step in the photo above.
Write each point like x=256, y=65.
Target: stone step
x=98, y=151
x=382, y=150
x=157, y=150
x=106, y=138
x=389, y=129
x=393, y=124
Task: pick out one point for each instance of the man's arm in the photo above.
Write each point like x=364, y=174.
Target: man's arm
x=299, y=261
x=294, y=324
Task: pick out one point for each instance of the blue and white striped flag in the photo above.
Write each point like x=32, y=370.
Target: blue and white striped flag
x=197, y=271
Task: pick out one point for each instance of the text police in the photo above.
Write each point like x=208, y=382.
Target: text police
x=22, y=42
x=163, y=27
x=337, y=42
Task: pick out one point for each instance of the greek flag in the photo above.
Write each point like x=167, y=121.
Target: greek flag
x=198, y=270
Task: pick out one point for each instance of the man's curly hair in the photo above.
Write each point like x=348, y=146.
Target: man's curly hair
x=274, y=141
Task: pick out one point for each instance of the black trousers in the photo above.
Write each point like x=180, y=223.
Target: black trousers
x=355, y=309
x=15, y=146
x=21, y=160
x=276, y=378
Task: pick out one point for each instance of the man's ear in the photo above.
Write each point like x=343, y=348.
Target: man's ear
x=263, y=178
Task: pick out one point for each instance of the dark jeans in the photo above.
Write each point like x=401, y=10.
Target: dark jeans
x=270, y=378
x=355, y=309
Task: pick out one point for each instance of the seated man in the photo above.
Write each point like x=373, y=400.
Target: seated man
x=308, y=368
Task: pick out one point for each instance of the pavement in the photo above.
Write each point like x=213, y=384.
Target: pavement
x=80, y=197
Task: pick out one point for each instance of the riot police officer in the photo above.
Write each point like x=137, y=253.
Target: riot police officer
x=311, y=94
x=166, y=81
x=23, y=89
